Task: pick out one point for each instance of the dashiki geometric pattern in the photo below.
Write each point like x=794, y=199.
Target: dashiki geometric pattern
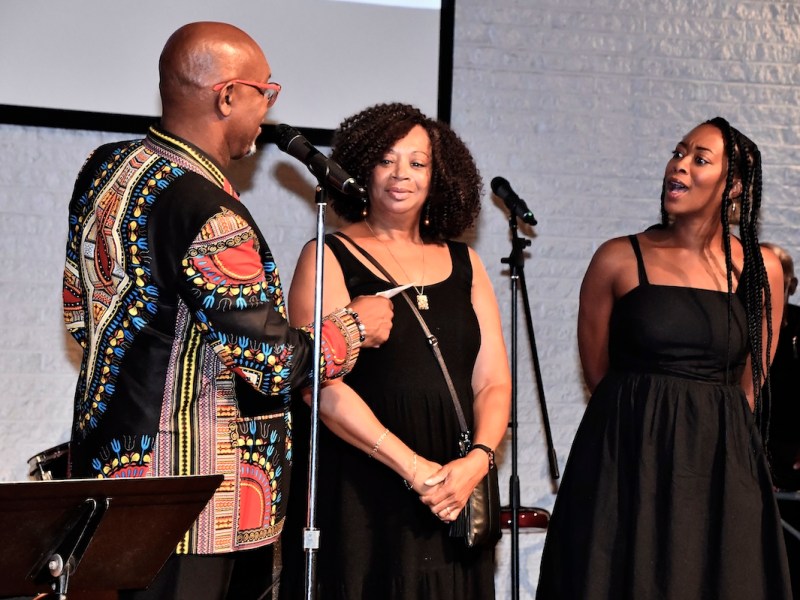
x=107, y=293
x=111, y=296
x=221, y=266
x=252, y=451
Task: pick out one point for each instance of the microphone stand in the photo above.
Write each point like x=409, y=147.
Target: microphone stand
x=311, y=533
x=516, y=262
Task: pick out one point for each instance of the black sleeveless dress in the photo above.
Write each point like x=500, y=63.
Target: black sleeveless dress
x=667, y=493
x=378, y=541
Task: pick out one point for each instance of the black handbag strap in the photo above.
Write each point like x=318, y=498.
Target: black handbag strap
x=432, y=340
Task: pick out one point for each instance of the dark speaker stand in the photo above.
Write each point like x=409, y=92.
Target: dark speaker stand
x=516, y=263
x=120, y=532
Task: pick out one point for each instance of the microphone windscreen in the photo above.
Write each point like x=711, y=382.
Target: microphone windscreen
x=285, y=135
x=500, y=185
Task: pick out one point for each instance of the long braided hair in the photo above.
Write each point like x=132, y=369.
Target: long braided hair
x=744, y=164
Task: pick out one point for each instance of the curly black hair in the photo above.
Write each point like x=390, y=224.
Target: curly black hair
x=363, y=139
x=744, y=165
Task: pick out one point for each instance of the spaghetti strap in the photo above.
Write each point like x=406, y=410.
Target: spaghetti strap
x=639, y=261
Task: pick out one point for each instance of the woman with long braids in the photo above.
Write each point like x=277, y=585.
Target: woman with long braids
x=667, y=493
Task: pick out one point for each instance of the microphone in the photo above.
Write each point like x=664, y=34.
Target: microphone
x=502, y=189
x=327, y=171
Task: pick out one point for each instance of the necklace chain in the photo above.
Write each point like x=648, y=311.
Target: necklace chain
x=422, y=298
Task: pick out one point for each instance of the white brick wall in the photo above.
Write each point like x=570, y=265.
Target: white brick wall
x=578, y=104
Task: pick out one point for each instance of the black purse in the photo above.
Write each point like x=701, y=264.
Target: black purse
x=478, y=523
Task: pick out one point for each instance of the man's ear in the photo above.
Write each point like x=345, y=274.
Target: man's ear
x=792, y=285
x=224, y=100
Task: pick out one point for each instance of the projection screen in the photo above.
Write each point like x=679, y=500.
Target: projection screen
x=92, y=64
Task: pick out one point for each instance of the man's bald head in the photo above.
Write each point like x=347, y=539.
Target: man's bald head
x=224, y=122
x=199, y=55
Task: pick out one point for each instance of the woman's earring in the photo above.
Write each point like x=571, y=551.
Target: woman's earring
x=733, y=208
x=426, y=220
x=364, y=210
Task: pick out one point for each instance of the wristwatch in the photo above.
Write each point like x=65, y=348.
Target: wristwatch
x=488, y=451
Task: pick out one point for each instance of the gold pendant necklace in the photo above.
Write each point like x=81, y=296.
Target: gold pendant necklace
x=422, y=300
x=422, y=297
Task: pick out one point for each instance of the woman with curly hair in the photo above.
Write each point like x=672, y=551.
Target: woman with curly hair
x=391, y=480
x=667, y=493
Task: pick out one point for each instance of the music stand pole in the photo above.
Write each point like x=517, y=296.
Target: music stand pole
x=311, y=533
x=58, y=564
x=516, y=263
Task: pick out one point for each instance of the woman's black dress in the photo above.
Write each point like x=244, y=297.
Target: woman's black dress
x=667, y=493
x=378, y=541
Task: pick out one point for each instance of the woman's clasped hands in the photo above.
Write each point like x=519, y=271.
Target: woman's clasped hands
x=446, y=490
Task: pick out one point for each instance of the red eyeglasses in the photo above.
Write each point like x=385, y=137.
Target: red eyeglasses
x=270, y=90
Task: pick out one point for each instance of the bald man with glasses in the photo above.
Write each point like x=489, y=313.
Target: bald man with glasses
x=174, y=296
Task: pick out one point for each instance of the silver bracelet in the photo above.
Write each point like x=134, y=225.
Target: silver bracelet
x=378, y=443
x=410, y=486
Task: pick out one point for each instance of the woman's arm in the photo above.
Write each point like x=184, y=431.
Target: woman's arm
x=342, y=410
x=594, y=313
x=491, y=378
x=491, y=385
x=349, y=418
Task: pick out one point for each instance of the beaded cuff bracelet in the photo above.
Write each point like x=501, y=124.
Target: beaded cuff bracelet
x=349, y=329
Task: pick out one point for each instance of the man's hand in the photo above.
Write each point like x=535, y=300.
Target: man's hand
x=376, y=314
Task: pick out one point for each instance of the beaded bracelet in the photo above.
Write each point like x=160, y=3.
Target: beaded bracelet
x=410, y=486
x=362, y=331
x=378, y=443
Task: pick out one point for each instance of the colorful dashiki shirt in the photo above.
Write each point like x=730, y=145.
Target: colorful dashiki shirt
x=188, y=360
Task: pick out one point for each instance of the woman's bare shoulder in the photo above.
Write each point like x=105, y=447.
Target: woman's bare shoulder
x=610, y=252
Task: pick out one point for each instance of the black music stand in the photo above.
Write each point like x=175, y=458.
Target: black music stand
x=94, y=534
